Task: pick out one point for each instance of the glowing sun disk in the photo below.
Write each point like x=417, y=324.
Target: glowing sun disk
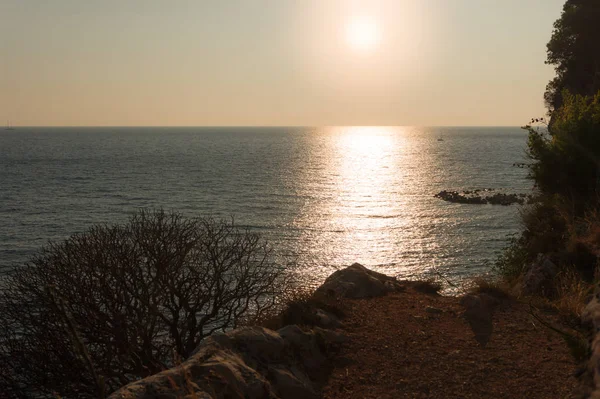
x=363, y=33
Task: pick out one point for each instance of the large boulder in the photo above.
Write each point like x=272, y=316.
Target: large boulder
x=539, y=276
x=305, y=344
x=326, y=319
x=246, y=363
x=257, y=363
x=208, y=374
x=253, y=344
x=357, y=281
x=292, y=383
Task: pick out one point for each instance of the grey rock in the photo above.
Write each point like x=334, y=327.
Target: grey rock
x=357, y=281
x=259, y=343
x=223, y=375
x=539, y=276
x=247, y=363
x=292, y=384
x=257, y=363
x=226, y=375
x=305, y=344
x=327, y=320
x=330, y=337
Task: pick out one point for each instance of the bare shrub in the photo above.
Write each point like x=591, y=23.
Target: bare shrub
x=572, y=294
x=112, y=304
x=495, y=288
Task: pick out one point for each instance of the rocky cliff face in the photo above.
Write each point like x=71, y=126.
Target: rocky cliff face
x=257, y=363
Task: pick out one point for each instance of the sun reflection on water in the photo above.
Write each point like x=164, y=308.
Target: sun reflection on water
x=366, y=194
x=368, y=161
x=365, y=160
x=362, y=213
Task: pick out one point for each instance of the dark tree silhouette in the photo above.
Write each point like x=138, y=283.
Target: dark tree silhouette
x=115, y=303
x=574, y=50
x=565, y=156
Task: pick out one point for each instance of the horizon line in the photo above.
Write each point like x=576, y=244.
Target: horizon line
x=245, y=126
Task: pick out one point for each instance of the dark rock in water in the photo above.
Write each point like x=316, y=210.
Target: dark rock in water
x=505, y=199
x=456, y=197
x=473, y=197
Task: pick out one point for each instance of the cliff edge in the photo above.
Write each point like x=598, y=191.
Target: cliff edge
x=398, y=339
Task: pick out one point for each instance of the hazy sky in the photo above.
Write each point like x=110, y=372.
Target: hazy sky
x=274, y=62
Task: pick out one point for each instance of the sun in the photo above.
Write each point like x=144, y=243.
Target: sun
x=363, y=34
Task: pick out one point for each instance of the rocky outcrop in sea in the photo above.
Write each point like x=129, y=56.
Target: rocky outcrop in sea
x=485, y=196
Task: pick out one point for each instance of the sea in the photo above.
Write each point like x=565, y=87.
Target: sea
x=325, y=196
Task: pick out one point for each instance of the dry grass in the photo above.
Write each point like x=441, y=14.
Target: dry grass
x=494, y=288
x=299, y=307
x=572, y=294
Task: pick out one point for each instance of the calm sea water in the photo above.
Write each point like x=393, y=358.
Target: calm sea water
x=331, y=196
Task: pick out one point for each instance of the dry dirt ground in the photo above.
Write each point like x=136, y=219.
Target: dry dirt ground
x=398, y=348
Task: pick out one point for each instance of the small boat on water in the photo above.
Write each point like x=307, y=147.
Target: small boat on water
x=9, y=127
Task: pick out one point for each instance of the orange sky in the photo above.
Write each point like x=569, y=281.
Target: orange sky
x=267, y=62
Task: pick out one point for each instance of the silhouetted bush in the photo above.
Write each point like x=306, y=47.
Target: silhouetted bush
x=567, y=158
x=566, y=171
x=574, y=50
x=117, y=303
x=550, y=228
x=563, y=223
x=566, y=155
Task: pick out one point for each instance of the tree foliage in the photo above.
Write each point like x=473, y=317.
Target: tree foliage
x=565, y=154
x=574, y=50
x=113, y=304
x=567, y=159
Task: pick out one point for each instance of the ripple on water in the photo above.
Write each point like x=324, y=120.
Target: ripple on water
x=330, y=196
